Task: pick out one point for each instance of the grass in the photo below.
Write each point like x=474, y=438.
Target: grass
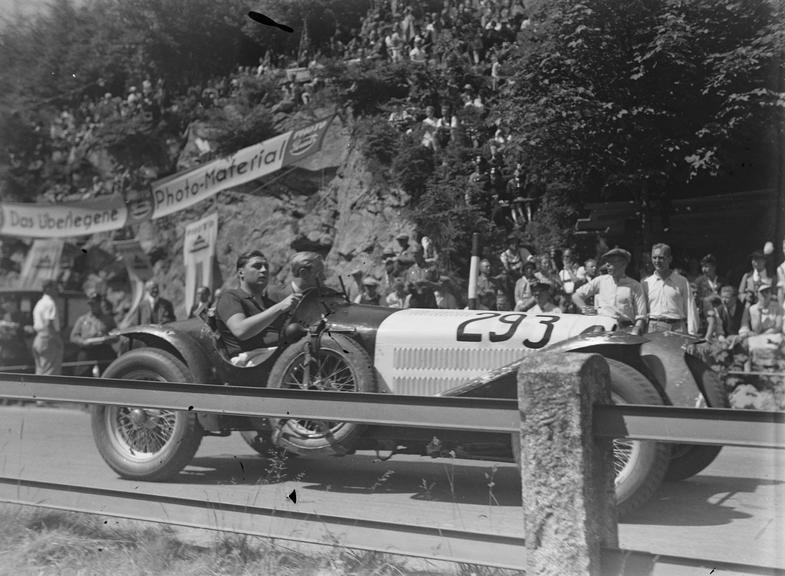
x=40, y=542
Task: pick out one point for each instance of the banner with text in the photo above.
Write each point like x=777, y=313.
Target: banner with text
x=185, y=189
x=62, y=220
x=42, y=263
x=198, y=254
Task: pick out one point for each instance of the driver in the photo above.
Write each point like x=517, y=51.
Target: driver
x=248, y=321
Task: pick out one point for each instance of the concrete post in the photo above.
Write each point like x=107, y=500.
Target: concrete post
x=566, y=474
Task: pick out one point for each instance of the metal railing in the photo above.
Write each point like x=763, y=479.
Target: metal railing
x=663, y=423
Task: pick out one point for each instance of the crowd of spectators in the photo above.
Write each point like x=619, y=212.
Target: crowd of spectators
x=663, y=296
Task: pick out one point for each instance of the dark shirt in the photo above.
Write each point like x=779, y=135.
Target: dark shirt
x=235, y=301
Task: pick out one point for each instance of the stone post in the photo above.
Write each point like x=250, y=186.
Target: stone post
x=567, y=477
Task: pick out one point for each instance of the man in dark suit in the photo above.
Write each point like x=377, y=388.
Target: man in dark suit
x=152, y=308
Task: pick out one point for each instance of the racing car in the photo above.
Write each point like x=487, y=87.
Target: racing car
x=329, y=343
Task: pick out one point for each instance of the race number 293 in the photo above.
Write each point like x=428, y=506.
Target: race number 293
x=486, y=323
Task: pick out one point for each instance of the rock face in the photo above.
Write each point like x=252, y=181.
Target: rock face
x=330, y=204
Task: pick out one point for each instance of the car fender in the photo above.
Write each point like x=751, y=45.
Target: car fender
x=179, y=343
x=661, y=357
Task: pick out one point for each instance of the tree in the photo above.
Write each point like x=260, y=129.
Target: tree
x=635, y=100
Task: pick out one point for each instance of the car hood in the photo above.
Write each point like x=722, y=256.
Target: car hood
x=428, y=352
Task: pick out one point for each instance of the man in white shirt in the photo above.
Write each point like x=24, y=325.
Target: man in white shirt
x=47, y=345
x=615, y=294
x=669, y=296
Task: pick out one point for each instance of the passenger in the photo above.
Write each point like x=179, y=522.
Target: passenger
x=307, y=271
x=248, y=321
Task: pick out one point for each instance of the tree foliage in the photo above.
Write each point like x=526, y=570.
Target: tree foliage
x=645, y=96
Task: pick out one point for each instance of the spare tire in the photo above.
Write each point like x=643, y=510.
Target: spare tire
x=144, y=443
x=341, y=365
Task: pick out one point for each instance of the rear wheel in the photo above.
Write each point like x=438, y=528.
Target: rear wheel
x=689, y=459
x=639, y=465
x=145, y=443
x=341, y=366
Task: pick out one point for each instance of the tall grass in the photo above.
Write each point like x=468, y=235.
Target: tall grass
x=40, y=542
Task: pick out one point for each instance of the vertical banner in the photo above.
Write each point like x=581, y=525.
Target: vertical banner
x=199, y=254
x=42, y=263
x=139, y=271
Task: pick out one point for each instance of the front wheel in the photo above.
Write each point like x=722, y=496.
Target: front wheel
x=341, y=365
x=689, y=459
x=639, y=465
x=145, y=443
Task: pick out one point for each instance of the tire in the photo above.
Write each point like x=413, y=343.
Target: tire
x=351, y=370
x=146, y=444
x=640, y=465
x=689, y=459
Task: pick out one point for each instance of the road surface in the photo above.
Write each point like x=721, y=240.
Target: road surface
x=733, y=512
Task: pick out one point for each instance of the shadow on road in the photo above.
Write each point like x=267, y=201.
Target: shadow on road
x=425, y=479
x=704, y=500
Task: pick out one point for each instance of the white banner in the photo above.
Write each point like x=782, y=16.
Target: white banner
x=42, y=263
x=185, y=189
x=198, y=254
x=62, y=220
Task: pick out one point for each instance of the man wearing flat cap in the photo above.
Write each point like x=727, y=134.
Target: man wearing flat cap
x=669, y=296
x=615, y=294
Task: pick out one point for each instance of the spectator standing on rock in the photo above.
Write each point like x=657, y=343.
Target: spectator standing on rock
x=153, y=309
x=47, y=345
x=354, y=287
x=91, y=333
x=669, y=296
x=396, y=298
x=615, y=294
x=370, y=295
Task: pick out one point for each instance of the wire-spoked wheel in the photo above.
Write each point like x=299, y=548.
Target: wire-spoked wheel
x=340, y=365
x=639, y=465
x=146, y=443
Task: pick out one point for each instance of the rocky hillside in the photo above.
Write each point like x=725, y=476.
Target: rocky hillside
x=330, y=204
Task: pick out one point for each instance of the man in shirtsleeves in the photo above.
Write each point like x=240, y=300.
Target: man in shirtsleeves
x=249, y=322
x=615, y=294
x=669, y=296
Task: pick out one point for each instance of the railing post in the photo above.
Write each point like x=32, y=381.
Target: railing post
x=566, y=474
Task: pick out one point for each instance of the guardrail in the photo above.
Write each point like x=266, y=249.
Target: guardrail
x=565, y=397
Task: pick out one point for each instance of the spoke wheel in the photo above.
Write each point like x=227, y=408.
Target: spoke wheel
x=639, y=465
x=341, y=365
x=146, y=443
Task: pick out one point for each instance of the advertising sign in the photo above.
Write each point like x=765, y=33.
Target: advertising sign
x=198, y=254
